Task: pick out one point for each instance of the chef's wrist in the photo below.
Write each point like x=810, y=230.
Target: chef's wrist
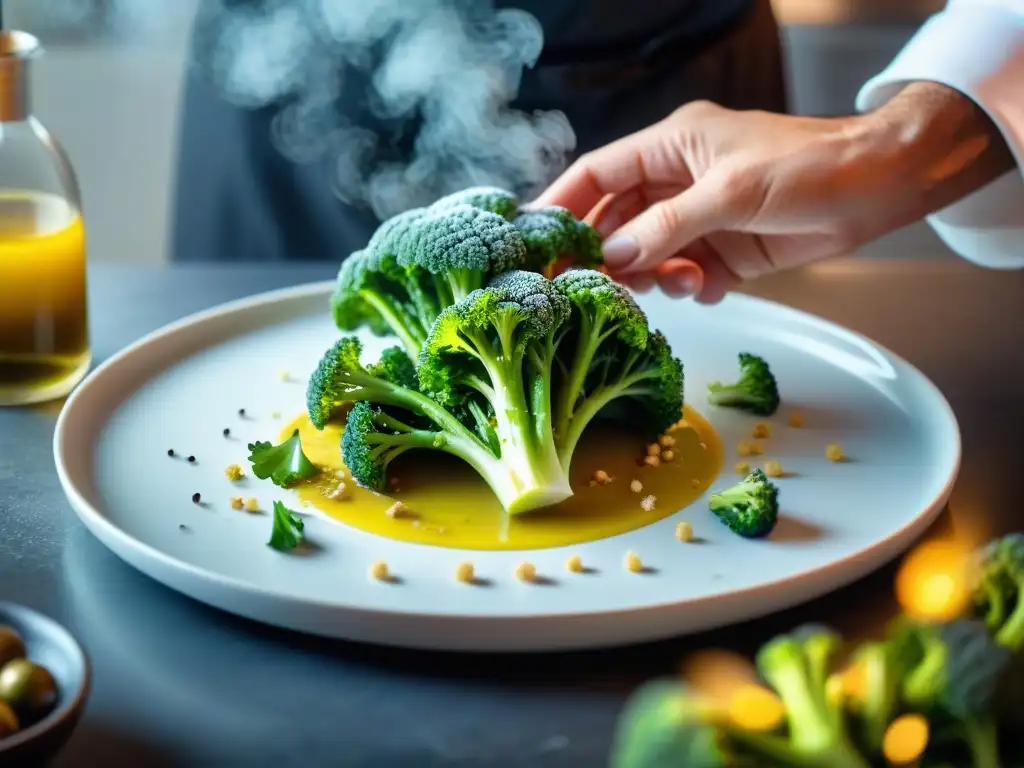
x=935, y=145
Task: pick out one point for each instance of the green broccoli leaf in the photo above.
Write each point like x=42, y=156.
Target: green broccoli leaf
x=288, y=529
x=284, y=464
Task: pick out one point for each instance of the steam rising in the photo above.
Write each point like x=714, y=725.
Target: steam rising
x=427, y=86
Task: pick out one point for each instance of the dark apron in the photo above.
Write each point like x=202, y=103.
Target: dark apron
x=239, y=199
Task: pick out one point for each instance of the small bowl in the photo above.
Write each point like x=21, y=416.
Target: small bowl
x=49, y=644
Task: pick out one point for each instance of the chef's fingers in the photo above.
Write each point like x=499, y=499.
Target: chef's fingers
x=615, y=210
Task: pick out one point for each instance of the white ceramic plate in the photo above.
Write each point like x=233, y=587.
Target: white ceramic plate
x=182, y=385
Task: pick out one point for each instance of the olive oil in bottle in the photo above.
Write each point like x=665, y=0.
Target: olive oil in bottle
x=44, y=338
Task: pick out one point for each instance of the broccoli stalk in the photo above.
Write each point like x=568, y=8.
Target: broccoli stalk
x=797, y=667
x=614, y=355
x=999, y=592
x=756, y=390
x=955, y=669
x=749, y=508
x=875, y=699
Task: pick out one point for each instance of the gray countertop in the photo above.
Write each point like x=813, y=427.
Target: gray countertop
x=180, y=684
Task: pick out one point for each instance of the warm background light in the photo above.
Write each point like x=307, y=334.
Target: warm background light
x=933, y=583
x=905, y=739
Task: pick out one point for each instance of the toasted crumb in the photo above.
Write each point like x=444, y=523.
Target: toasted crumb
x=761, y=429
x=653, y=449
x=742, y=468
x=252, y=504
x=796, y=419
x=464, y=572
x=602, y=477
x=648, y=503
x=749, y=448
x=234, y=472
x=652, y=461
x=284, y=376
x=526, y=572
x=667, y=441
x=636, y=486
x=574, y=564
x=773, y=468
x=237, y=502
x=668, y=455
x=695, y=483
x=684, y=531
x=399, y=510
x=379, y=571
x=834, y=452
x=703, y=446
x=633, y=562
x=338, y=493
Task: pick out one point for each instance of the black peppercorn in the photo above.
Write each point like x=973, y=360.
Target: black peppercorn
x=170, y=451
x=241, y=411
x=191, y=459
x=226, y=431
x=195, y=498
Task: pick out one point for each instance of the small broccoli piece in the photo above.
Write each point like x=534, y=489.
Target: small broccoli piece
x=552, y=234
x=284, y=464
x=999, y=592
x=797, y=667
x=756, y=391
x=664, y=724
x=612, y=362
x=749, y=508
x=288, y=530
x=491, y=199
x=461, y=247
x=955, y=669
x=876, y=700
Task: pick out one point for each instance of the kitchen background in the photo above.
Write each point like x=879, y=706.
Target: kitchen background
x=114, y=103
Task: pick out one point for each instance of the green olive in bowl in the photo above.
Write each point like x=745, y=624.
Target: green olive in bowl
x=9, y=723
x=11, y=645
x=28, y=688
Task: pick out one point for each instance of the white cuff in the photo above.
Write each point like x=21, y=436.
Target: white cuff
x=976, y=48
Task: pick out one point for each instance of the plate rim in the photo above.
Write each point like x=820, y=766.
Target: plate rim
x=793, y=589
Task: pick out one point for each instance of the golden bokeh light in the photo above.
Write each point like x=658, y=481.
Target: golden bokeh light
x=933, y=583
x=905, y=739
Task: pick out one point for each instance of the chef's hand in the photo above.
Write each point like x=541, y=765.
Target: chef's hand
x=709, y=197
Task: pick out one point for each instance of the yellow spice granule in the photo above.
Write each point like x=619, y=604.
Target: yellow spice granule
x=653, y=449
x=275, y=415
x=574, y=564
x=236, y=502
x=526, y=572
x=284, y=376
x=834, y=452
x=379, y=570
x=652, y=461
x=602, y=478
x=742, y=468
x=684, y=531
x=636, y=486
x=773, y=468
x=796, y=419
x=761, y=430
x=648, y=503
x=633, y=562
x=668, y=455
x=749, y=448
x=695, y=483
x=252, y=504
x=667, y=441
x=234, y=472
x=703, y=446
x=464, y=572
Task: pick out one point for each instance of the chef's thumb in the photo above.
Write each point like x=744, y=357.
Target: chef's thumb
x=665, y=228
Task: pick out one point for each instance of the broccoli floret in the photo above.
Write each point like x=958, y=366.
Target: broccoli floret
x=494, y=351
x=461, y=246
x=492, y=199
x=756, y=391
x=876, y=699
x=553, y=234
x=955, y=669
x=610, y=355
x=797, y=667
x=999, y=592
x=749, y=508
x=288, y=531
x=285, y=464
x=386, y=419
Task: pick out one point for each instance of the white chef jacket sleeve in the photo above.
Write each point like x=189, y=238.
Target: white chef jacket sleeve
x=976, y=47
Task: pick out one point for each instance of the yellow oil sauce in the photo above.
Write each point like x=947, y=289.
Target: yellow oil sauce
x=451, y=506
x=44, y=341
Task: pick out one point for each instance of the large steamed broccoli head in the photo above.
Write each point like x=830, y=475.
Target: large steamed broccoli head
x=361, y=292
x=492, y=199
x=756, y=390
x=553, y=233
x=749, y=508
